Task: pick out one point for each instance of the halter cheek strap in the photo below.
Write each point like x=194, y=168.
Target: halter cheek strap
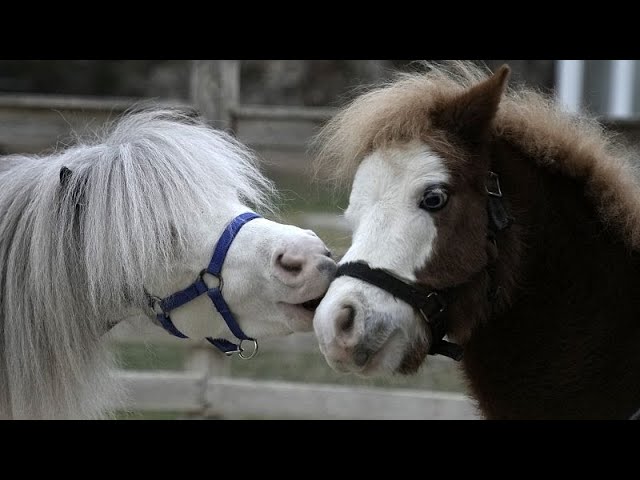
x=162, y=307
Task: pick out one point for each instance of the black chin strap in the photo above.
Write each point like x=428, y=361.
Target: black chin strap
x=431, y=305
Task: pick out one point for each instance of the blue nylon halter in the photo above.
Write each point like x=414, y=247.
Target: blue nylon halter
x=199, y=287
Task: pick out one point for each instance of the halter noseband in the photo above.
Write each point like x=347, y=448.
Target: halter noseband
x=162, y=306
x=432, y=305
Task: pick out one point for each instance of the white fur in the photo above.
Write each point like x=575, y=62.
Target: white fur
x=143, y=207
x=390, y=231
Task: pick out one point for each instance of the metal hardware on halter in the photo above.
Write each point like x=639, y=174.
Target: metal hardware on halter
x=241, y=350
x=154, y=303
x=442, y=303
x=217, y=277
x=493, y=185
x=499, y=218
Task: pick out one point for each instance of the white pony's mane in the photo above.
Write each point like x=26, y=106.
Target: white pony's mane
x=73, y=255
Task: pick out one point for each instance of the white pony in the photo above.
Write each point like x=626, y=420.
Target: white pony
x=88, y=234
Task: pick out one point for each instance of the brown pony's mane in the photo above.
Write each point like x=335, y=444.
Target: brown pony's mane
x=577, y=146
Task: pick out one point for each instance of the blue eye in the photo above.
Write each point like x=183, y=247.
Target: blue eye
x=434, y=198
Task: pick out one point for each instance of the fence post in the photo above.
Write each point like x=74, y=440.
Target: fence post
x=208, y=362
x=215, y=91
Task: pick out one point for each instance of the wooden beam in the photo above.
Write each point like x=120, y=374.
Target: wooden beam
x=236, y=398
x=215, y=90
x=273, y=399
x=272, y=112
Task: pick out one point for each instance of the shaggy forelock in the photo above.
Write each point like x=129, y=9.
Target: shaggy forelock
x=394, y=111
x=72, y=255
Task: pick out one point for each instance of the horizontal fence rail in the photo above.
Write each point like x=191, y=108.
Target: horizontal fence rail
x=205, y=389
x=262, y=112
x=239, y=398
x=33, y=123
x=38, y=123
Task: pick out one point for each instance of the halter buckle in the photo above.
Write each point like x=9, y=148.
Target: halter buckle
x=493, y=185
x=440, y=301
x=155, y=303
x=240, y=351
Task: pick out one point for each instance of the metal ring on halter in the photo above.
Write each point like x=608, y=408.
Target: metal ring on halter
x=155, y=303
x=217, y=277
x=253, y=353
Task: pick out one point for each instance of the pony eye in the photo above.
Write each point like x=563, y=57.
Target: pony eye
x=434, y=198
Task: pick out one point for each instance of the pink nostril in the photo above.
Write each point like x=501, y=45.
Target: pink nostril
x=290, y=263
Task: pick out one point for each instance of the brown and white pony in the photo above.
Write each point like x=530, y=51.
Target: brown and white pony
x=524, y=219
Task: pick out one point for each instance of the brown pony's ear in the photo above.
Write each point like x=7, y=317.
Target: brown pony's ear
x=469, y=115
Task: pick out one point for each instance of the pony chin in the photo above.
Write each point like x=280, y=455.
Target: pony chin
x=298, y=318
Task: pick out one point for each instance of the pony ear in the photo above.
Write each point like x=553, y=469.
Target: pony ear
x=65, y=173
x=469, y=115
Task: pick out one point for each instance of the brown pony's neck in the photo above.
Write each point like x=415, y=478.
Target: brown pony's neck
x=553, y=345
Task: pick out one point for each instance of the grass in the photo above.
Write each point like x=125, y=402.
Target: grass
x=149, y=415
x=300, y=194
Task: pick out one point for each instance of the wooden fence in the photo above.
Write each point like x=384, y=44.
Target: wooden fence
x=206, y=389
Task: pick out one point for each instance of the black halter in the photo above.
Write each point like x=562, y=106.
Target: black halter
x=432, y=305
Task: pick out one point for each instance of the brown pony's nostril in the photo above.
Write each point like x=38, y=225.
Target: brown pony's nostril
x=290, y=263
x=345, y=320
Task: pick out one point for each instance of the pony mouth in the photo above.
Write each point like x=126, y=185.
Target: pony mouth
x=301, y=314
x=308, y=306
x=311, y=305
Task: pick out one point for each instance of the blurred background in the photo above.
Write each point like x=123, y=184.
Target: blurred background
x=275, y=107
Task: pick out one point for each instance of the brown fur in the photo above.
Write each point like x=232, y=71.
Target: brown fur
x=562, y=340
